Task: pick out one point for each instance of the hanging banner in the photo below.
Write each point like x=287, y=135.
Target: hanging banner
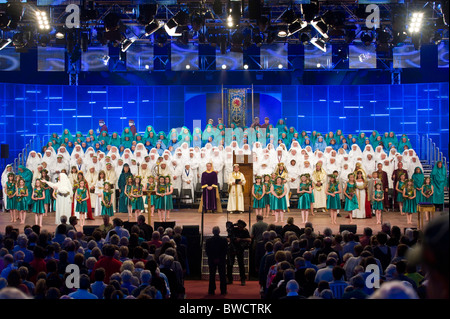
x=237, y=104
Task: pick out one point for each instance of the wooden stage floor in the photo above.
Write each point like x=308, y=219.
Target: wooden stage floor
x=192, y=217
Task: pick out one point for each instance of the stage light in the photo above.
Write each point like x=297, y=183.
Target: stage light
x=152, y=27
x=59, y=35
x=293, y=24
x=318, y=65
x=296, y=27
x=280, y=66
x=188, y=67
x=234, y=13
x=415, y=23
x=146, y=13
x=20, y=40
x=4, y=43
x=224, y=66
x=105, y=59
x=366, y=38
x=179, y=19
x=309, y=11
x=282, y=33
x=246, y=66
x=320, y=26
x=13, y=13
x=319, y=43
x=305, y=38
x=42, y=20
x=127, y=43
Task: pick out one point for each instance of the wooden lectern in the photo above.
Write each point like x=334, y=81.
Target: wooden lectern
x=246, y=168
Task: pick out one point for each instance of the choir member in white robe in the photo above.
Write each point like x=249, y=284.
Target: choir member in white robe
x=369, y=164
x=33, y=161
x=177, y=170
x=118, y=170
x=281, y=156
x=293, y=174
x=228, y=166
x=91, y=177
x=99, y=185
x=187, y=181
x=8, y=169
x=236, y=182
x=332, y=166
x=126, y=157
x=218, y=165
x=306, y=168
x=80, y=165
x=319, y=178
x=134, y=169
x=193, y=163
x=343, y=174
x=64, y=194
x=49, y=159
x=144, y=172
x=389, y=169
x=355, y=151
x=65, y=154
x=246, y=149
x=57, y=167
x=327, y=153
x=413, y=163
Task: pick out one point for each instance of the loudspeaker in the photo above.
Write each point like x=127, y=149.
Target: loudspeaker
x=128, y=225
x=350, y=228
x=89, y=230
x=163, y=225
x=4, y=148
x=191, y=230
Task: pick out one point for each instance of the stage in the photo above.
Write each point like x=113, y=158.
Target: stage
x=192, y=217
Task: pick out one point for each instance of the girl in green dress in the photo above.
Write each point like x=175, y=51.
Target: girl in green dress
x=311, y=196
x=127, y=191
x=82, y=195
x=399, y=187
x=427, y=191
x=137, y=202
x=168, y=197
x=418, y=179
x=267, y=185
x=377, y=201
x=150, y=187
x=333, y=199
x=351, y=200
x=304, y=201
x=440, y=181
x=258, y=195
x=38, y=206
x=278, y=191
x=22, y=200
x=48, y=191
x=271, y=198
x=160, y=204
x=409, y=200
x=11, y=197
x=107, y=208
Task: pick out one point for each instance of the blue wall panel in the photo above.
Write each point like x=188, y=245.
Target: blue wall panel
x=414, y=109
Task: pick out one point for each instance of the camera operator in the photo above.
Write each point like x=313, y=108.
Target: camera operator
x=239, y=240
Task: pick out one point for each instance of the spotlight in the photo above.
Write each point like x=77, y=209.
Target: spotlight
x=366, y=38
x=105, y=59
x=224, y=66
x=20, y=40
x=152, y=27
x=4, y=43
x=296, y=26
x=234, y=13
x=147, y=66
x=280, y=66
x=318, y=65
x=41, y=17
x=282, y=33
x=127, y=43
x=415, y=23
x=146, y=13
x=188, y=67
x=309, y=11
x=59, y=35
x=320, y=26
x=305, y=38
x=246, y=66
x=179, y=19
x=319, y=43
x=293, y=24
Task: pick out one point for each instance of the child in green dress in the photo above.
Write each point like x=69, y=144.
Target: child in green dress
x=11, y=203
x=377, y=201
x=267, y=185
x=48, y=191
x=304, y=200
x=137, y=202
x=22, y=200
x=150, y=187
x=258, y=195
x=38, y=197
x=168, y=197
x=409, y=202
x=127, y=191
x=160, y=204
x=399, y=187
x=82, y=195
x=351, y=201
x=107, y=208
x=273, y=180
x=278, y=191
x=427, y=191
x=333, y=199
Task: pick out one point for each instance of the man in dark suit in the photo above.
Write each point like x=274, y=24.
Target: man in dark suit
x=146, y=228
x=216, y=249
x=290, y=226
x=395, y=177
x=382, y=175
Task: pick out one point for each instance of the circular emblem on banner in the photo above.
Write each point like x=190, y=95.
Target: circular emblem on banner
x=236, y=102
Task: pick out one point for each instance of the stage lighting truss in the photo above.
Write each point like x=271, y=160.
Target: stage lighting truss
x=234, y=14
x=415, y=23
x=153, y=26
x=173, y=26
x=4, y=43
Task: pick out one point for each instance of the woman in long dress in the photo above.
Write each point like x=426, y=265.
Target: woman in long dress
x=64, y=194
x=361, y=195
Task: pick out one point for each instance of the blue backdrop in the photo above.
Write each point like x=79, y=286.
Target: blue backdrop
x=413, y=109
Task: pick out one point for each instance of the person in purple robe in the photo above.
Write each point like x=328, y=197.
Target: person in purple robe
x=210, y=196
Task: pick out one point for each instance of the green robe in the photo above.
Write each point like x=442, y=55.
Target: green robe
x=439, y=181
